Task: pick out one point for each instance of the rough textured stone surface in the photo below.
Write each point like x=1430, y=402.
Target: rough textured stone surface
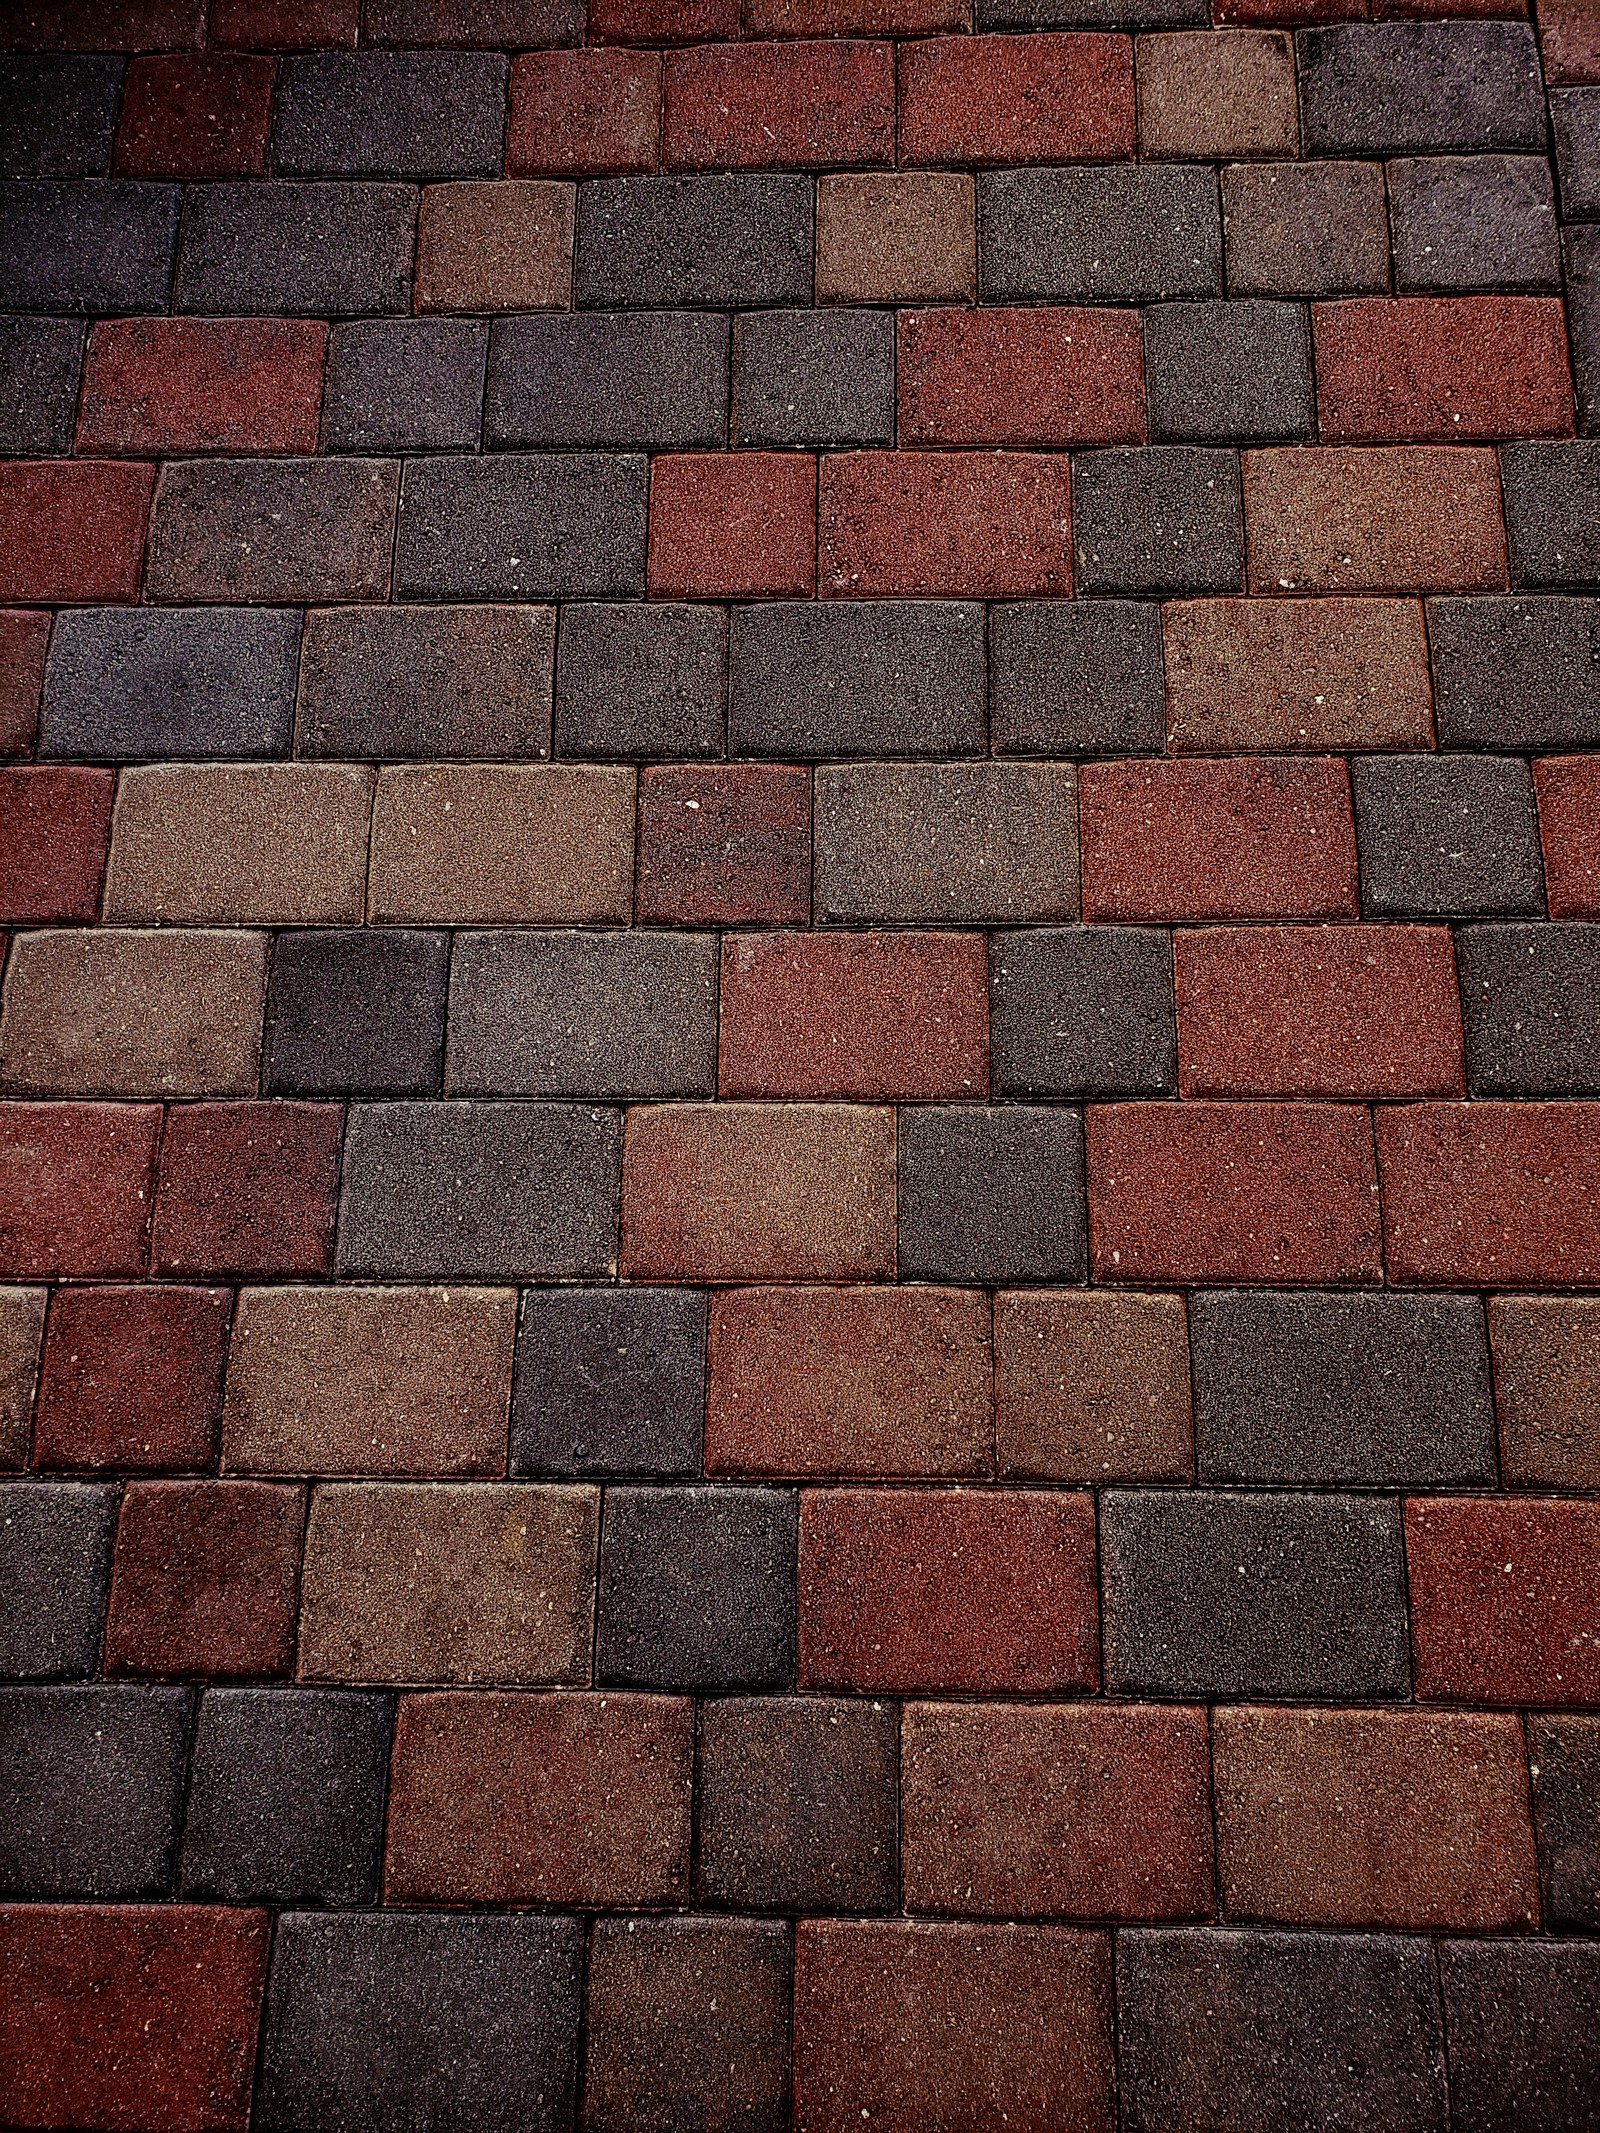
x=129, y=1378
x=448, y=1582
x=1076, y=678
x=1322, y=1387
x=1546, y=1375
x=204, y=1578
x=426, y=681
x=279, y=843
x=247, y=1188
x=133, y=1013
x=56, y=1543
x=471, y=2019
x=124, y=685
x=1092, y=1387
x=697, y=1589
x=1226, y=93
x=583, y=1014
x=479, y=1191
x=104, y=2026
x=1521, y=673
x=91, y=1783
x=611, y=378
x=369, y=1381
x=724, y=846
x=1418, y=1819
x=742, y=241
x=901, y=2023
x=1253, y=1595
x=1264, y=838
x=1412, y=518
x=688, y=2017
x=550, y=526
x=1296, y=674
x=1111, y=235
x=948, y=1590
x=562, y=1798
x=286, y=1797
x=863, y=1015
x=1522, y=2036
x=989, y=843
x=849, y=1381
x=797, y=1804
x=1291, y=2024
x=1232, y=1192
x=1336, y=1011
x=1305, y=229
x=1564, y=1763
x=865, y=677
x=501, y=844
x=609, y=1381
x=758, y=1192
x=991, y=1194
x=900, y=237
x=974, y=1840
x=1446, y=835
x=355, y=1012
x=21, y=1332
x=640, y=681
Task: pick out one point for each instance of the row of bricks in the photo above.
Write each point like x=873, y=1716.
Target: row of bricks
x=1190, y=1593
x=1288, y=229
x=728, y=2022
x=1473, y=1195
x=1256, y=1387
x=1235, y=371
x=1099, y=233
x=556, y=845
x=1565, y=27
x=1356, y=1013
x=832, y=102
x=1406, y=1819
x=578, y=525
x=849, y=678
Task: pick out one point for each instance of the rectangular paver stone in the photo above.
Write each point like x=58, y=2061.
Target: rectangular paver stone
x=427, y=681
x=986, y=843
x=1135, y=233
x=40, y=363
x=1390, y=87
x=125, y=683
x=552, y=525
x=448, y=1581
x=91, y=1784
x=386, y=114
x=1323, y=1387
x=264, y=844
x=583, y=1014
x=334, y=250
x=735, y=240
x=609, y=1382
x=130, y=1012
x=86, y=247
x=273, y=529
x=1516, y=674
x=1225, y=2027
x=1256, y=1596
x=813, y=377
x=405, y=385
x=1076, y=678
x=498, y=844
x=621, y=379
x=468, y=2018
x=479, y=1191
x=640, y=680
x=863, y=677
x=391, y=1381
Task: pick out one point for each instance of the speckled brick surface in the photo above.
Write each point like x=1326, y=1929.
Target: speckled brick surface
x=800, y=1066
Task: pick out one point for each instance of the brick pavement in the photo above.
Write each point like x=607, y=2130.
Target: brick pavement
x=800, y=1065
